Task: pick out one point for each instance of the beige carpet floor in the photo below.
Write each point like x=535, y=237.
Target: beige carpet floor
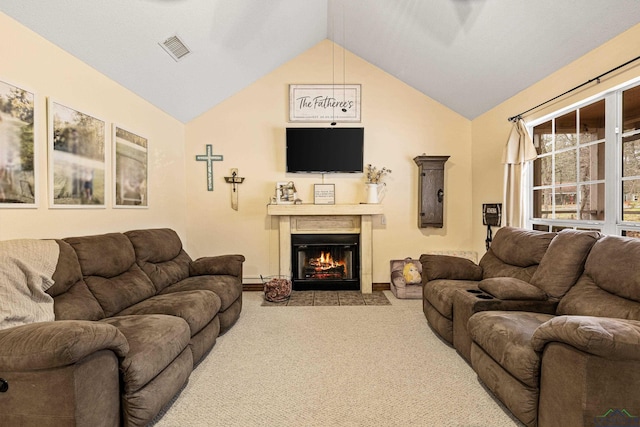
x=333, y=366
x=330, y=298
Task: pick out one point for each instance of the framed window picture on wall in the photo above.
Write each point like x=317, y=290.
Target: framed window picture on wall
x=77, y=160
x=18, y=154
x=129, y=169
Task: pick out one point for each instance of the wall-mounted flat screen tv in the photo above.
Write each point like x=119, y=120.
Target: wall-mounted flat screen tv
x=325, y=150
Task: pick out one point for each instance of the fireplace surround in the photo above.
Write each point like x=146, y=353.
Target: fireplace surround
x=327, y=219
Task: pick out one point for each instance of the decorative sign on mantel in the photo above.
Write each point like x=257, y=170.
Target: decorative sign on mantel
x=322, y=103
x=324, y=194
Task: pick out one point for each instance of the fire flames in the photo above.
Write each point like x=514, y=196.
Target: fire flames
x=325, y=264
x=326, y=259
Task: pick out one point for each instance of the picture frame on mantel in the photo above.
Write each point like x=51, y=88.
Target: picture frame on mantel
x=325, y=103
x=324, y=194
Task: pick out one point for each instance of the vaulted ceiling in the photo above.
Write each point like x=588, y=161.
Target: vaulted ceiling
x=469, y=55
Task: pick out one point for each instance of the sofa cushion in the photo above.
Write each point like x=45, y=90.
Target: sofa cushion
x=110, y=271
x=104, y=255
x=198, y=308
x=492, y=266
x=156, y=244
x=78, y=303
x=228, y=288
x=155, y=340
x=586, y=298
x=48, y=345
x=220, y=264
x=72, y=299
x=605, y=337
x=509, y=288
x=440, y=294
x=160, y=254
x=563, y=263
x=614, y=265
x=436, y=267
x=520, y=247
x=506, y=337
x=67, y=272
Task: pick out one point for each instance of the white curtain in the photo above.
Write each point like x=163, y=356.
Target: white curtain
x=517, y=152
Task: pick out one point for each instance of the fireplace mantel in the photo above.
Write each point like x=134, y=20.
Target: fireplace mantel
x=343, y=218
x=309, y=209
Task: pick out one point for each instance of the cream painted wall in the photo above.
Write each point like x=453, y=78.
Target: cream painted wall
x=248, y=129
x=491, y=130
x=33, y=63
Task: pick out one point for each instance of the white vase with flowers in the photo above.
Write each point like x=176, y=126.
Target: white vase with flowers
x=375, y=188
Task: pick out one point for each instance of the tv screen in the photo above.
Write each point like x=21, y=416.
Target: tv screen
x=325, y=150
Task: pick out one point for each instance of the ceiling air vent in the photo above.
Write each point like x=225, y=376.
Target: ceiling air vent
x=175, y=47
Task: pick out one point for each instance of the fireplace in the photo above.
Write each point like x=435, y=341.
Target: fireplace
x=325, y=262
x=327, y=219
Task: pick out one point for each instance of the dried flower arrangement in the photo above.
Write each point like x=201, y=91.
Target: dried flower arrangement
x=374, y=176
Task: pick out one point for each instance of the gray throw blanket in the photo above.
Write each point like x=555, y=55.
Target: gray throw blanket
x=26, y=267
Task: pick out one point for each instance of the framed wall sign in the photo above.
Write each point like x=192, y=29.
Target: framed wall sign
x=77, y=159
x=324, y=194
x=18, y=171
x=129, y=169
x=324, y=103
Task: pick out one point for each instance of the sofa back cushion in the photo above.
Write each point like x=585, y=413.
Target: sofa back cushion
x=515, y=252
x=492, y=266
x=610, y=284
x=520, y=247
x=72, y=299
x=109, y=268
x=614, y=265
x=563, y=262
x=586, y=298
x=160, y=254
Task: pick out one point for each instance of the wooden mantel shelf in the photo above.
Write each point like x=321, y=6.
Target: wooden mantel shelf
x=311, y=209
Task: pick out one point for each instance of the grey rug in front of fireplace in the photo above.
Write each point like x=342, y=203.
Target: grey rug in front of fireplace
x=331, y=298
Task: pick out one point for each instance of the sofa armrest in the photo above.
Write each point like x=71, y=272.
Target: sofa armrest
x=449, y=267
x=221, y=264
x=510, y=288
x=53, y=344
x=617, y=339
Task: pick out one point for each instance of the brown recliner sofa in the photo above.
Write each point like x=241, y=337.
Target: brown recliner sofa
x=558, y=270
x=515, y=253
x=575, y=366
x=133, y=314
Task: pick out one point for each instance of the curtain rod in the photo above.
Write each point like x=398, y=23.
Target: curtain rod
x=596, y=79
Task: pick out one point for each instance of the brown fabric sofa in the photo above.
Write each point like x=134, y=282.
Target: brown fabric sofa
x=515, y=253
x=559, y=269
x=571, y=367
x=134, y=313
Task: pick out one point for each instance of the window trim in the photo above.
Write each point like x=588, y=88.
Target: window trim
x=612, y=223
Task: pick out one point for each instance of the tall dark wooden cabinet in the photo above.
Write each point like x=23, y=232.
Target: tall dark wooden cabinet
x=430, y=190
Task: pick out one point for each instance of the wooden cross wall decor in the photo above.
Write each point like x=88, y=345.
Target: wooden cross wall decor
x=209, y=157
x=234, y=180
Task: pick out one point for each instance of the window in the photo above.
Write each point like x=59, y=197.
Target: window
x=587, y=173
x=631, y=155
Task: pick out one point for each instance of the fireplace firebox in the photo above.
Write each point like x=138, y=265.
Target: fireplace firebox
x=325, y=262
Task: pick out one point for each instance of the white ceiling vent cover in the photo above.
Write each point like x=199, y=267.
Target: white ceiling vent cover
x=175, y=47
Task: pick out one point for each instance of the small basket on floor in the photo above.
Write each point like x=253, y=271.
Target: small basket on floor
x=276, y=288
